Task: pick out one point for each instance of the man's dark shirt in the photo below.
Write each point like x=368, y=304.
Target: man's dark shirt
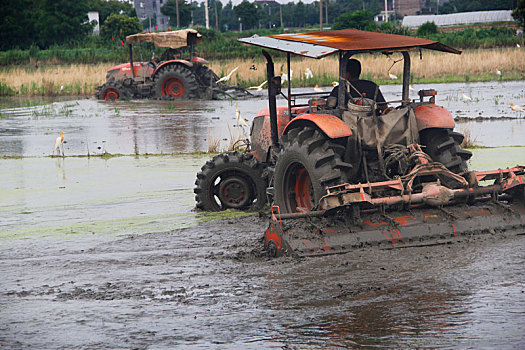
x=366, y=87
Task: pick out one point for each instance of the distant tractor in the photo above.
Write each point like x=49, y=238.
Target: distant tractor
x=169, y=77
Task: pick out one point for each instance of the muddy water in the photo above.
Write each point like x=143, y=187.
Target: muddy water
x=154, y=127
x=108, y=253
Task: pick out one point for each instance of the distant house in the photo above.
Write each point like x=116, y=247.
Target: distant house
x=461, y=18
x=150, y=9
x=93, y=16
x=408, y=7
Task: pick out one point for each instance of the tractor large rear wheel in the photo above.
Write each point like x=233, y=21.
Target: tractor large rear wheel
x=207, y=76
x=231, y=180
x=176, y=81
x=443, y=145
x=308, y=163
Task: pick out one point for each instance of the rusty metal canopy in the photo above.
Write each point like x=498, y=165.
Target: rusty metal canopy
x=324, y=43
x=297, y=48
x=174, y=40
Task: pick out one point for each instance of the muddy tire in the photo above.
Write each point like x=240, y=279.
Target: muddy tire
x=207, y=76
x=177, y=82
x=443, y=146
x=112, y=91
x=308, y=163
x=231, y=180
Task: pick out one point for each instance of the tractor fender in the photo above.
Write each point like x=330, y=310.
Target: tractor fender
x=433, y=116
x=170, y=62
x=200, y=60
x=332, y=126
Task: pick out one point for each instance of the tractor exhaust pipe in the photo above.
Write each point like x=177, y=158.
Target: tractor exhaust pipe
x=274, y=87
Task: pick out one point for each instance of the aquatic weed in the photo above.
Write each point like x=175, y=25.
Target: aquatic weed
x=6, y=90
x=45, y=111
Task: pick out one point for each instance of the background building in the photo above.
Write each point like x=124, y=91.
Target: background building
x=150, y=9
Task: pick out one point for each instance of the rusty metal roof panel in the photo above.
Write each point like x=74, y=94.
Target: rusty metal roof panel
x=295, y=47
x=318, y=44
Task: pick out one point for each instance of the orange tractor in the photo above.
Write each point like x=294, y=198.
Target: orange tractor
x=340, y=175
x=170, y=76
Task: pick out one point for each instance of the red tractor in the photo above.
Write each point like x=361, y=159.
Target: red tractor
x=169, y=77
x=341, y=174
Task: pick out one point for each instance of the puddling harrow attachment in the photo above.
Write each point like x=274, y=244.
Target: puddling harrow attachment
x=430, y=205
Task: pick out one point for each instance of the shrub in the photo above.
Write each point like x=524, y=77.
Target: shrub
x=427, y=29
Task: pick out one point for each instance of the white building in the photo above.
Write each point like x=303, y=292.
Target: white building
x=459, y=18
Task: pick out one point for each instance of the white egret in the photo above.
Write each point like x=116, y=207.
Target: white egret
x=465, y=97
x=516, y=108
x=59, y=143
x=258, y=88
x=228, y=76
x=240, y=121
x=308, y=73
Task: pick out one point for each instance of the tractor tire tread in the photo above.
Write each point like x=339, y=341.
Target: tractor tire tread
x=233, y=162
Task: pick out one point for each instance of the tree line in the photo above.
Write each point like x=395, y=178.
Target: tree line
x=41, y=24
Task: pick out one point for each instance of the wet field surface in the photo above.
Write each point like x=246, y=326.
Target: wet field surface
x=109, y=253
x=142, y=127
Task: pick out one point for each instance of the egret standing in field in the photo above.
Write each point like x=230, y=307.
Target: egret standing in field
x=284, y=76
x=228, y=76
x=308, y=73
x=240, y=121
x=465, y=97
x=516, y=108
x=59, y=143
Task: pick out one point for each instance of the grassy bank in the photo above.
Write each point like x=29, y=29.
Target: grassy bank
x=471, y=65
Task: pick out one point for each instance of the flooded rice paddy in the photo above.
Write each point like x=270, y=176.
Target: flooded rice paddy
x=107, y=252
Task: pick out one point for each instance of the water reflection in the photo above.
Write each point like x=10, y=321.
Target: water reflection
x=153, y=127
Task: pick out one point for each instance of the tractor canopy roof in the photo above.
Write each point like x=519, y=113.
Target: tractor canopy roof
x=174, y=40
x=324, y=43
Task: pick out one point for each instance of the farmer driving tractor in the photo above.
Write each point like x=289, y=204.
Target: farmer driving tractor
x=361, y=88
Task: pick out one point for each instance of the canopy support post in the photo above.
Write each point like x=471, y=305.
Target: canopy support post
x=406, y=78
x=131, y=61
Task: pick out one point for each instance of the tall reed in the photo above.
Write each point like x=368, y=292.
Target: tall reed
x=434, y=65
x=55, y=80
x=482, y=64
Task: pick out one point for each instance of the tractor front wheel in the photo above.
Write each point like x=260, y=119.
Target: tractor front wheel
x=112, y=91
x=176, y=81
x=231, y=180
x=308, y=163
